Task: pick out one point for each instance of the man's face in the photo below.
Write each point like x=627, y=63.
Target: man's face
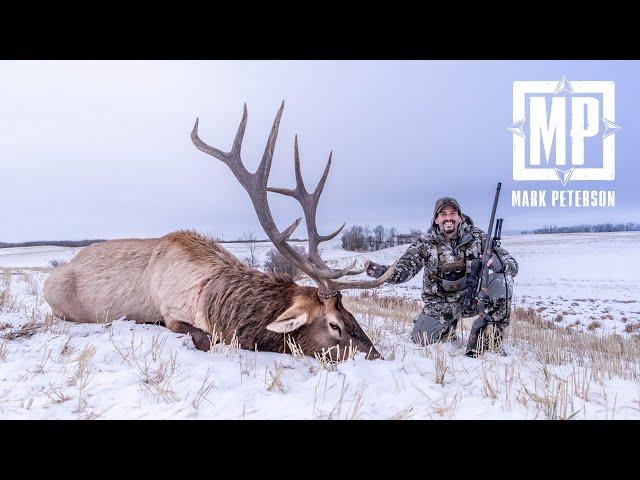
x=448, y=220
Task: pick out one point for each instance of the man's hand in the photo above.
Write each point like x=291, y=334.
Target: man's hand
x=373, y=269
x=369, y=268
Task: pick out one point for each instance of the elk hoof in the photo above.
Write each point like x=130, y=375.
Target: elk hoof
x=201, y=341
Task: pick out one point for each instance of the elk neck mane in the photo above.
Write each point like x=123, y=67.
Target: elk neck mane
x=236, y=297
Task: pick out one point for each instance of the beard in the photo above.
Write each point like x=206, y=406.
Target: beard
x=449, y=227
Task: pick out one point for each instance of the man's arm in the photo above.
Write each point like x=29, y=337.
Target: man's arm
x=409, y=264
x=501, y=260
x=509, y=264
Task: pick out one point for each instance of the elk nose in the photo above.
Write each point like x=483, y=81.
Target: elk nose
x=374, y=355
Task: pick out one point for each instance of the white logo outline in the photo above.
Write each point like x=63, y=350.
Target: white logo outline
x=520, y=170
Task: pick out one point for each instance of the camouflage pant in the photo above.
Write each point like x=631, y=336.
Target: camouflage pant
x=439, y=319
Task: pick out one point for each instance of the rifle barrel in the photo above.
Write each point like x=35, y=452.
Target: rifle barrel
x=487, y=247
x=498, y=228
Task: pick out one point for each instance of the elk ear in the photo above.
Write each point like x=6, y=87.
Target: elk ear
x=289, y=320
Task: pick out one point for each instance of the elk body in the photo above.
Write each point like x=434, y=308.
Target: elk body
x=191, y=284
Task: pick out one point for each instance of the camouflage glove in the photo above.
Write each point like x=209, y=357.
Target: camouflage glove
x=375, y=270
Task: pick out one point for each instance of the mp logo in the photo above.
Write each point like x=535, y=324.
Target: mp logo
x=563, y=130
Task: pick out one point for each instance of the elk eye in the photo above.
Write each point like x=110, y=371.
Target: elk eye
x=335, y=327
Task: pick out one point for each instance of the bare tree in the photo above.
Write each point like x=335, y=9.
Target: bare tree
x=391, y=237
x=414, y=233
x=251, y=258
x=378, y=237
x=276, y=262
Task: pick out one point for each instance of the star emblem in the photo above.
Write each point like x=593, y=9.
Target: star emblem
x=517, y=128
x=564, y=85
x=610, y=128
x=564, y=175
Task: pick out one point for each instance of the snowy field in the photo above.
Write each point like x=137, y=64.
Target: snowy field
x=576, y=355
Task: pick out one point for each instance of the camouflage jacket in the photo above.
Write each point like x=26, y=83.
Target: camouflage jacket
x=424, y=253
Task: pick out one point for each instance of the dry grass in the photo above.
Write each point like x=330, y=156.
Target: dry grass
x=33, y=284
x=530, y=316
x=272, y=380
x=205, y=388
x=8, y=302
x=441, y=364
x=56, y=394
x=608, y=353
x=24, y=331
x=335, y=355
x=156, y=369
x=82, y=376
x=372, y=303
x=593, y=325
x=396, y=314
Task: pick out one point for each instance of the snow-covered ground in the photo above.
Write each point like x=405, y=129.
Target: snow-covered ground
x=35, y=257
x=55, y=369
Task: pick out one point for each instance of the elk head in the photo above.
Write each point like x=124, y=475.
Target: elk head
x=323, y=326
x=316, y=315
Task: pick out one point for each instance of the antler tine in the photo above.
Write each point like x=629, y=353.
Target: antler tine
x=310, y=207
x=324, y=238
x=284, y=236
x=333, y=273
x=299, y=192
x=237, y=142
x=309, y=203
x=265, y=165
x=360, y=284
x=323, y=179
x=200, y=145
x=356, y=272
x=296, y=159
x=231, y=159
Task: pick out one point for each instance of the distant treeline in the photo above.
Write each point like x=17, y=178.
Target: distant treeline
x=258, y=241
x=84, y=243
x=601, y=227
x=360, y=238
x=55, y=243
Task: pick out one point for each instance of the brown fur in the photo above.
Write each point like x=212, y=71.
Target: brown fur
x=193, y=285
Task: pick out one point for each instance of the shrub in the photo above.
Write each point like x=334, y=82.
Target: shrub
x=278, y=263
x=593, y=325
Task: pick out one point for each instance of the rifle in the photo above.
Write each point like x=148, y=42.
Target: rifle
x=497, y=235
x=483, y=320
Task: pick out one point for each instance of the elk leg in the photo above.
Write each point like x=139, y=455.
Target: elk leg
x=199, y=337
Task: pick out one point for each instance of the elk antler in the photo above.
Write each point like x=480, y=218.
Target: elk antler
x=256, y=186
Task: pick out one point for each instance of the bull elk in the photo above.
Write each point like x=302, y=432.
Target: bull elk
x=191, y=284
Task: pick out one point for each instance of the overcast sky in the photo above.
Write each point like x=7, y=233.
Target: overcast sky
x=101, y=149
